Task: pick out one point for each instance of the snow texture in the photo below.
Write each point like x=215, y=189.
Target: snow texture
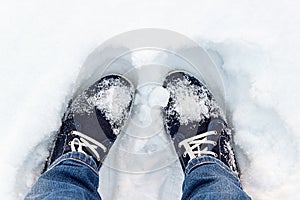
x=148, y=98
x=159, y=96
x=111, y=96
x=255, y=44
x=190, y=99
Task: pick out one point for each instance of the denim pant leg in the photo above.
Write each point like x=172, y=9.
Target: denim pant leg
x=72, y=176
x=209, y=178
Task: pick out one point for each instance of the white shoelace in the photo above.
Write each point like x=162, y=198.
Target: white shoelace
x=85, y=141
x=192, y=145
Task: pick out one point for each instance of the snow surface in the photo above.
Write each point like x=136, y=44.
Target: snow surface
x=43, y=44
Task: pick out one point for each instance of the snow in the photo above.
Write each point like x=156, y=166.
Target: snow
x=144, y=153
x=190, y=99
x=113, y=100
x=159, y=96
x=44, y=44
x=148, y=99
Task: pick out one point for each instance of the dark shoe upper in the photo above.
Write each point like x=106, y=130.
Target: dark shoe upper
x=94, y=119
x=195, y=121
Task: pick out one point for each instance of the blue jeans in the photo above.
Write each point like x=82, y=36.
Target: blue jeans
x=72, y=176
x=209, y=178
x=75, y=176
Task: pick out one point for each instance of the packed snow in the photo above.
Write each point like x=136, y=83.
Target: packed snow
x=112, y=97
x=255, y=44
x=159, y=96
x=189, y=99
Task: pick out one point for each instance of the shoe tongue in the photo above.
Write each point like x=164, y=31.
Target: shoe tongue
x=216, y=125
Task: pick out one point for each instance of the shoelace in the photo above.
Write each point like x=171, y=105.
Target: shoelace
x=192, y=145
x=85, y=141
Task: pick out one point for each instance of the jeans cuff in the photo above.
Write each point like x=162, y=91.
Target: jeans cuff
x=203, y=160
x=76, y=157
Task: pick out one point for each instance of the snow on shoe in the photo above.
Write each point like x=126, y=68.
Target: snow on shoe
x=112, y=98
x=195, y=122
x=94, y=119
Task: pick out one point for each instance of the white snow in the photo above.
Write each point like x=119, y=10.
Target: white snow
x=159, y=96
x=148, y=98
x=119, y=94
x=190, y=100
x=44, y=43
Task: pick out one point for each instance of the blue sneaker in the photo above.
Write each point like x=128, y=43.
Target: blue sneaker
x=94, y=119
x=195, y=122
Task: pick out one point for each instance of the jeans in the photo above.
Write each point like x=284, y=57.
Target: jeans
x=209, y=178
x=75, y=176
x=72, y=176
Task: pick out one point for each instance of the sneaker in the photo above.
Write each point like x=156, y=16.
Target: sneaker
x=94, y=119
x=195, y=122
